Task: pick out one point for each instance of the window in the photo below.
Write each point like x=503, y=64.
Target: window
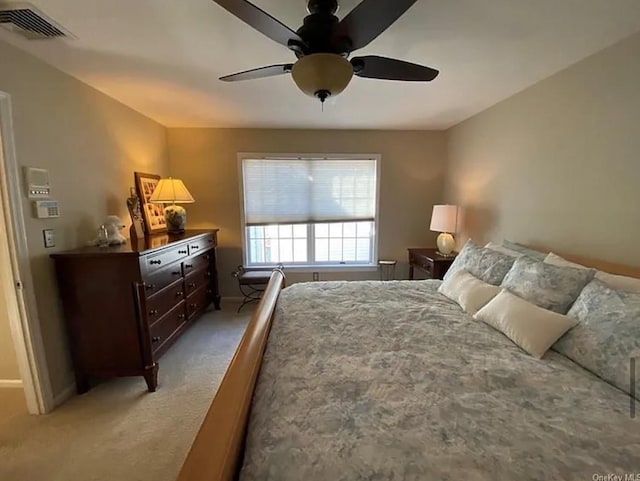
x=310, y=212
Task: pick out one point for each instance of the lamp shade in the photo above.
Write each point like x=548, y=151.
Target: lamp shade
x=322, y=75
x=445, y=218
x=171, y=191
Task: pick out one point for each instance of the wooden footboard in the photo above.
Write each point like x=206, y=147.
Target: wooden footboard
x=217, y=450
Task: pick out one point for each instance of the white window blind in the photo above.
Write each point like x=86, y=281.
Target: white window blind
x=301, y=191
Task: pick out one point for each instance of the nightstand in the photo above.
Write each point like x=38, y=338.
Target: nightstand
x=429, y=262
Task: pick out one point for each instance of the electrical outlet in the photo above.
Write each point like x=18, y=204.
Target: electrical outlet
x=316, y=276
x=49, y=238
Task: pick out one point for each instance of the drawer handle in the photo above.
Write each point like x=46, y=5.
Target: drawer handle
x=193, y=306
x=183, y=252
x=156, y=339
x=179, y=294
x=156, y=263
x=188, y=266
x=150, y=287
x=153, y=312
x=210, y=241
x=181, y=317
x=191, y=285
x=176, y=273
x=195, y=248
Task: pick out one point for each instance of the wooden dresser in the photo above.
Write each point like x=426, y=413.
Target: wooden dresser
x=125, y=306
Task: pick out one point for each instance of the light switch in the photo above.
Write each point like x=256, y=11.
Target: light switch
x=49, y=238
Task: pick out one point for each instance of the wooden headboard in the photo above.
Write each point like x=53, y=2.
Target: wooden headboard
x=610, y=267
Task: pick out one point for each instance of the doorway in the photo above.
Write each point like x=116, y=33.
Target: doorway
x=12, y=398
x=21, y=346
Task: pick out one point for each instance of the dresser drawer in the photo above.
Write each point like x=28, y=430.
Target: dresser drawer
x=162, y=302
x=427, y=265
x=162, y=330
x=429, y=261
x=161, y=279
x=198, y=301
x=196, y=246
x=155, y=262
x=196, y=281
x=195, y=264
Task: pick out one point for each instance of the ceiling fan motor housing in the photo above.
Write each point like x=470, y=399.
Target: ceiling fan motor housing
x=322, y=6
x=319, y=31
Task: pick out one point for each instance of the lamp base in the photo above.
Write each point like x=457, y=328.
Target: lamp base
x=176, y=218
x=446, y=244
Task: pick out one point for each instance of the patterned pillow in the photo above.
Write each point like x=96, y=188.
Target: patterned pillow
x=607, y=336
x=545, y=285
x=537, y=255
x=503, y=249
x=486, y=264
x=618, y=283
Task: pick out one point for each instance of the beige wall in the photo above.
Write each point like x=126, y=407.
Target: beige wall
x=91, y=145
x=411, y=182
x=558, y=165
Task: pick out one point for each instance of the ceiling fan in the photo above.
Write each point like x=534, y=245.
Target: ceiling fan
x=324, y=43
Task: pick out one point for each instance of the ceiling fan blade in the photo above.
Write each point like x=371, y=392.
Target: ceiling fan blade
x=256, y=73
x=370, y=18
x=260, y=20
x=391, y=69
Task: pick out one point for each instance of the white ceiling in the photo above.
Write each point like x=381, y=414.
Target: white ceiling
x=163, y=58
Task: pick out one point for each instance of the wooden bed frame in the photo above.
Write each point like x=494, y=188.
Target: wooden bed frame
x=217, y=452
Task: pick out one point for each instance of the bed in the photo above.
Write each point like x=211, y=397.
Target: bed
x=371, y=380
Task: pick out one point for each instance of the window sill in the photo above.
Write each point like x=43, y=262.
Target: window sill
x=323, y=268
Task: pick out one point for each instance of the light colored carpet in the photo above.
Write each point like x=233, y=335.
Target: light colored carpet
x=118, y=431
x=12, y=403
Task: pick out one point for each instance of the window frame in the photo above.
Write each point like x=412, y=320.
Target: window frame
x=312, y=266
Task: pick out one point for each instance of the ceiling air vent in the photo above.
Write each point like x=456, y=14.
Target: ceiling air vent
x=28, y=21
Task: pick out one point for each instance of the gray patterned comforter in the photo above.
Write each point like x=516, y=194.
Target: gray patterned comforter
x=392, y=381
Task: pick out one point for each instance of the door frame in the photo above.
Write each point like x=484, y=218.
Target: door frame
x=18, y=289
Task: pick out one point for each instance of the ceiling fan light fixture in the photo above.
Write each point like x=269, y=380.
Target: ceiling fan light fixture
x=322, y=75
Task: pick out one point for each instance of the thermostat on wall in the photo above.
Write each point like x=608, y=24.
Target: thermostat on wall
x=46, y=209
x=37, y=183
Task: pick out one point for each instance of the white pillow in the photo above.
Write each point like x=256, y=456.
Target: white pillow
x=556, y=260
x=500, y=248
x=532, y=328
x=620, y=283
x=468, y=291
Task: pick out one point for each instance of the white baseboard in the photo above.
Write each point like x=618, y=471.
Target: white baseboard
x=65, y=394
x=13, y=383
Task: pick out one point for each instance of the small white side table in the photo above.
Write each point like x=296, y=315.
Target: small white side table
x=387, y=270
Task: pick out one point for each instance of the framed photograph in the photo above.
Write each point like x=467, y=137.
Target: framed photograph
x=153, y=214
x=135, y=211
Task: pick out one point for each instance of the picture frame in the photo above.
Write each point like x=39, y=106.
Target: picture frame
x=135, y=211
x=153, y=214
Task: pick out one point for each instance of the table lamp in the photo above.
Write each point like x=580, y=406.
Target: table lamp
x=173, y=191
x=445, y=220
